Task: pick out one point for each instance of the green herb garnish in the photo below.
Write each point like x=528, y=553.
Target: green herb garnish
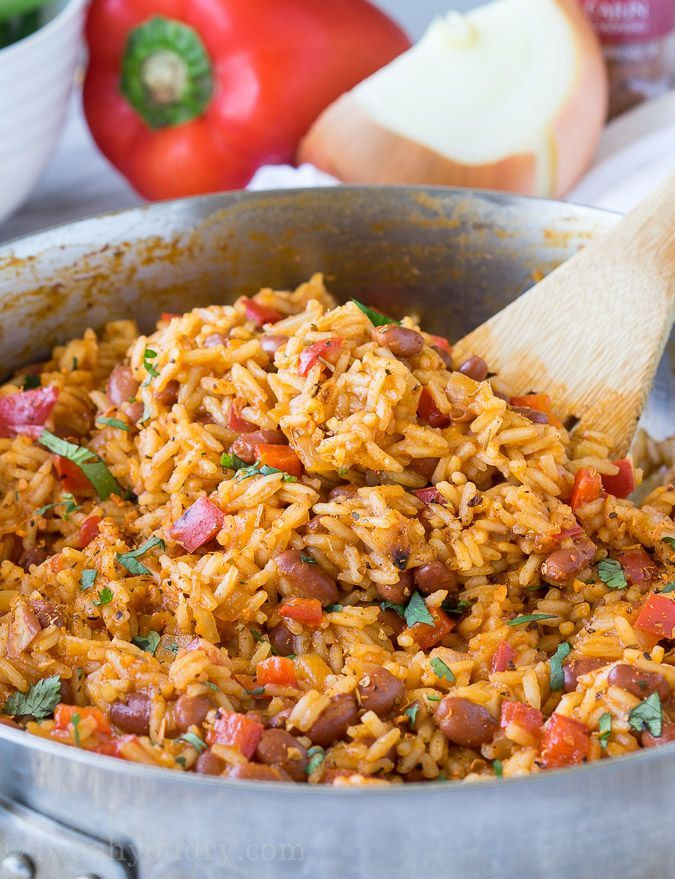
x=75, y=364
x=605, y=729
x=256, y=691
x=68, y=502
x=530, y=618
x=316, y=756
x=105, y=596
x=230, y=461
x=256, y=635
x=441, y=670
x=148, y=356
x=75, y=720
x=90, y=464
x=308, y=559
x=39, y=702
x=343, y=471
x=148, y=642
x=333, y=608
x=669, y=587
x=264, y=470
x=611, y=573
x=397, y=608
x=411, y=712
x=376, y=318
x=556, y=663
x=669, y=540
x=417, y=612
x=194, y=740
x=30, y=381
x=648, y=714
x=456, y=607
x=498, y=768
x=129, y=560
x=88, y=578
x=113, y=422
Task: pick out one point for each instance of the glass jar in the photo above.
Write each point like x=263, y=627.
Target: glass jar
x=634, y=35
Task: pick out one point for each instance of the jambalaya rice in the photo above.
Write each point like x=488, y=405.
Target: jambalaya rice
x=314, y=549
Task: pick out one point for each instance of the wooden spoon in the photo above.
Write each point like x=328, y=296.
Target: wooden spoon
x=591, y=333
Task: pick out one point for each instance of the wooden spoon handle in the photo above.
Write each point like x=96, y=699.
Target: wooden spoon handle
x=592, y=332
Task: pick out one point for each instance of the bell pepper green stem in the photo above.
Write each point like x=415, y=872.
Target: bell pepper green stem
x=11, y=8
x=167, y=75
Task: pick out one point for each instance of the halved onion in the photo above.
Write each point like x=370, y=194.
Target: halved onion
x=511, y=96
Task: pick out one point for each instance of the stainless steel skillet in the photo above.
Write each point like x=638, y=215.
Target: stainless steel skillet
x=456, y=257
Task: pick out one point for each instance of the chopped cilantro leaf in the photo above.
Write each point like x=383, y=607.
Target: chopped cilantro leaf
x=256, y=691
x=129, y=560
x=75, y=720
x=316, y=756
x=530, y=618
x=39, y=702
x=605, y=729
x=343, y=471
x=390, y=605
x=148, y=356
x=264, y=470
x=434, y=698
x=648, y=714
x=30, y=381
x=256, y=634
x=441, y=670
x=105, y=596
x=455, y=606
x=611, y=573
x=90, y=464
x=75, y=364
x=113, y=422
x=88, y=578
x=669, y=540
x=307, y=558
x=69, y=506
x=556, y=663
x=411, y=712
x=417, y=611
x=498, y=768
x=148, y=642
x=669, y=587
x=376, y=318
x=333, y=608
x=230, y=461
x=194, y=740
x=174, y=647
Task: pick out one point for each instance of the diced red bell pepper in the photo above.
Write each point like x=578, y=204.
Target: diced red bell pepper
x=565, y=742
x=302, y=610
x=637, y=566
x=502, y=657
x=112, y=746
x=440, y=342
x=169, y=315
x=657, y=616
x=587, y=487
x=429, y=495
x=522, y=715
x=71, y=477
x=261, y=314
x=63, y=716
x=198, y=524
x=539, y=402
x=88, y=531
x=429, y=412
x=26, y=412
x=574, y=531
x=282, y=457
x=238, y=731
x=426, y=635
x=237, y=423
x=623, y=482
x=276, y=670
x=327, y=349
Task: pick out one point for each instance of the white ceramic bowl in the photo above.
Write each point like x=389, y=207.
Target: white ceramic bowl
x=36, y=75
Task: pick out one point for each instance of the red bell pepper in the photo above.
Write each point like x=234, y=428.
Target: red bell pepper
x=185, y=98
x=238, y=731
x=198, y=524
x=657, y=616
x=587, y=487
x=281, y=457
x=327, y=349
x=88, y=531
x=440, y=342
x=426, y=635
x=27, y=411
x=623, y=482
x=276, y=670
x=237, y=423
x=637, y=566
x=71, y=476
x=524, y=716
x=502, y=657
x=63, y=716
x=303, y=610
x=565, y=741
x=261, y=314
x=429, y=412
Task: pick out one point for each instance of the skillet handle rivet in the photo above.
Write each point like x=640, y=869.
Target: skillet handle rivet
x=87, y=876
x=17, y=866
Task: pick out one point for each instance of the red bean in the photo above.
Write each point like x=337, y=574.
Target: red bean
x=532, y=414
x=341, y=492
x=475, y=367
x=271, y=344
x=257, y=772
x=399, y=592
x=445, y=357
x=214, y=340
x=465, y=723
x=314, y=526
x=244, y=445
x=667, y=735
x=638, y=682
x=380, y=691
x=305, y=579
x=208, y=764
x=566, y=564
x=190, y=711
x=577, y=668
x=132, y=716
x=278, y=721
x=282, y=640
x=401, y=341
x=133, y=411
x=36, y=555
x=169, y=393
x=434, y=575
x=332, y=724
x=47, y=613
x=122, y=385
x=280, y=749
x=393, y=622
